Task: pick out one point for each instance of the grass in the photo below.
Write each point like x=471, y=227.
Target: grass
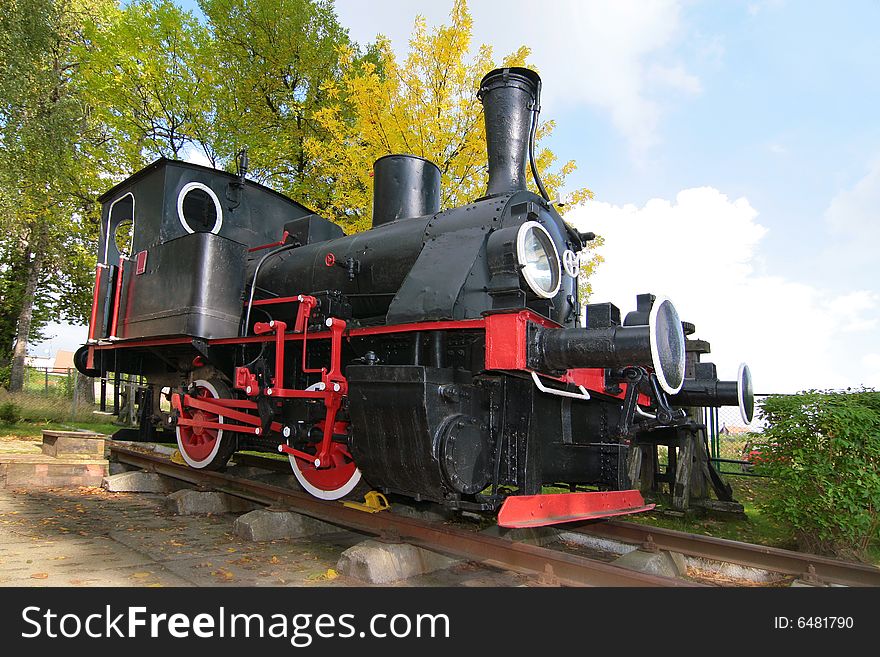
x=31, y=429
x=34, y=412
x=756, y=527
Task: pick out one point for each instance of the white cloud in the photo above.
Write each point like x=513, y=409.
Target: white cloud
x=871, y=362
x=675, y=77
x=701, y=250
x=853, y=217
x=616, y=56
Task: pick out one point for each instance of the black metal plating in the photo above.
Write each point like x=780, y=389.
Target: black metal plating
x=613, y=346
x=508, y=97
x=404, y=186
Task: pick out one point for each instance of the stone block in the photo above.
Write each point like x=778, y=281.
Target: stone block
x=375, y=562
x=138, y=481
x=680, y=561
x=540, y=536
x=190, y=502
x=52, y=473
x=423, y=511
x=116, y=467
x=73, y=444
x=272, y=525
x=654, y=563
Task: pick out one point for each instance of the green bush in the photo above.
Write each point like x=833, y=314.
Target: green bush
x=9, y=413
x=822, y=450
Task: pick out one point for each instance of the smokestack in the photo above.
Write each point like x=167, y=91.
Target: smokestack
x=508, y=96
x=404, y=186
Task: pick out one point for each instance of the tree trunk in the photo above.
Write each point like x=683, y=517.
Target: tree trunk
x=35, y=266
x=85, y=391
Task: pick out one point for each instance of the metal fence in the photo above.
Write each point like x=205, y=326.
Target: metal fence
x=730, y=439
x=55, y=391
x=48, y=381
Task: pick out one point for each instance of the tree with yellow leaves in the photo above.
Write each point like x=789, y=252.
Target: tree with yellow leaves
x=426, y=106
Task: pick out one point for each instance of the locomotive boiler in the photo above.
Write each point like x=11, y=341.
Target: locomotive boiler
x=442, y=355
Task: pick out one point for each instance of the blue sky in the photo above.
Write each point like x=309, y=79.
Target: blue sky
x=734, y=150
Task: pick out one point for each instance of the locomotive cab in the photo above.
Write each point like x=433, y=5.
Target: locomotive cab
x=174, y=248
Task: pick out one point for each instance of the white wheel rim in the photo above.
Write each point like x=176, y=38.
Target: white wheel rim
x=204, y=462
x=320, y=493
x=310, y=488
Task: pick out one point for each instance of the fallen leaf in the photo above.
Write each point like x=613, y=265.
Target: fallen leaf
x=323, y=577
x=141, y=575
x=39, y=575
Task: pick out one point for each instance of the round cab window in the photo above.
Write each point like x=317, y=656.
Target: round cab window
x=122, y=236
x=198, y=209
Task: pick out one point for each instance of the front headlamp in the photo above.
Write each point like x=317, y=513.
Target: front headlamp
x=539, y=261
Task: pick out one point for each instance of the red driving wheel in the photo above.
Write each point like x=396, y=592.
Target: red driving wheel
x=339, y=475
x=204, y=447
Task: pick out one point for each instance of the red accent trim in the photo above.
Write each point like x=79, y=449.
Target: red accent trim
x=94, y=320
x=281, y=242
x=591, y=379
x=267, y=302
x=541, y=510
x=198, y=361
x=329, y=259
x=506, y=341
x=460, y=325
x=306, y=305
x=303, y=456
x=145, y=343
x=594, y=379
x=506, y=336
x=90, y=359
x=279, y=328
x=224, y=407
x=335, y=385
x=141, y=263
x=115, y=323
x=202, y=424
x=246, y=380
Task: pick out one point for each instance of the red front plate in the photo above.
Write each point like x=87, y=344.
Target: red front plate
x=540, y=510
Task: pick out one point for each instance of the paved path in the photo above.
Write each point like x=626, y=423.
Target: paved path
x=89, y=537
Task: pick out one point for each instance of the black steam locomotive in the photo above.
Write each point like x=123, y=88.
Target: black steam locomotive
x=440, y=355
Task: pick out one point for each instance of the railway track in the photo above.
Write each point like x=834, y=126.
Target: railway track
x=547, y=564
x=806, y=566
x=550, y=566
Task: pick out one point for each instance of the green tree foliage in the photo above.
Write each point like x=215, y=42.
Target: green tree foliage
x=46, y=175
x=822, y=450
x=147, y=83
x=426, y=105
x=272, y=60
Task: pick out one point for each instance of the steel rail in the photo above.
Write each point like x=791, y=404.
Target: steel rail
x=777, y=560
x=551, y=565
